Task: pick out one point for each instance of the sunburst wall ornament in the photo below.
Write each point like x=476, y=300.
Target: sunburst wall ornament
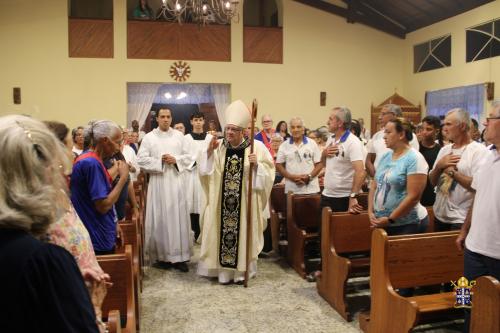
x=180, y=71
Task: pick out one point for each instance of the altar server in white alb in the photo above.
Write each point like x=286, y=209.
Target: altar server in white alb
x=224, y=172
x=164, y=155
x=198, y=142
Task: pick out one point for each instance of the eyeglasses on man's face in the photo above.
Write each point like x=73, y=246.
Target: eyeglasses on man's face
x=491, y=118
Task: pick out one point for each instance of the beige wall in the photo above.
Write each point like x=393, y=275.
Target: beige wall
x=460, y=73
x=354, y=64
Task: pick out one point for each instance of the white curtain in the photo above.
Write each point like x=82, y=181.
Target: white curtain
x=222, y=98
x=140, y=99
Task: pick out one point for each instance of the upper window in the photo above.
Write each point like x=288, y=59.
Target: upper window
x=261, y=13
x=432, y=54
x=483, y=41
x=91, y=9
x=90, y=28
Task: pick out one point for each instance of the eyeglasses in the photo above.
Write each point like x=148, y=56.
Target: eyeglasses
x=385, y=113
x=491, y=118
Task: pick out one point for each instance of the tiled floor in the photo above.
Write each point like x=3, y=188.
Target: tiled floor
x=277, y=300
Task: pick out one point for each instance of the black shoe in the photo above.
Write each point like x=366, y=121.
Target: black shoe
x=162, y=265
x=181, y=266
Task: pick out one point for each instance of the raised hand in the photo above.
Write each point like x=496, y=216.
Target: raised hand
x=123, y=169
x=214, y=144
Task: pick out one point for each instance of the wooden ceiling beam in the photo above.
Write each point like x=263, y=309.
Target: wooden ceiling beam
x=325, y=6
x=357, y=12
x=377, y=20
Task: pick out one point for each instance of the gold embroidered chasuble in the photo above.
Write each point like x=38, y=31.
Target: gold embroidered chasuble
x=219, y=200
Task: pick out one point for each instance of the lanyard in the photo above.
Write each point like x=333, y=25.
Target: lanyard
x=91, y=154
x=267, y=143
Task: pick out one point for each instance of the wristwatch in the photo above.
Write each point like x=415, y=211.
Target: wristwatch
x=451, y=173
x=391, y=221
x=353, y=195
x=310, y=177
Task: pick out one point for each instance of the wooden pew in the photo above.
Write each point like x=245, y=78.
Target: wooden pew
x=121, y=295
x=278, y=213
x=410, y=261
x=430, y=213
x=363, y=200
x=132, y=238
x=303, y=217
x=342, y=235
x=485, y=315
x=113, y=323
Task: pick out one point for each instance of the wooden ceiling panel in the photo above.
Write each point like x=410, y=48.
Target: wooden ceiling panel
x=396, y=17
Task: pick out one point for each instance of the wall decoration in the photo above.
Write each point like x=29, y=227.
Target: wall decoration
x=180, y=71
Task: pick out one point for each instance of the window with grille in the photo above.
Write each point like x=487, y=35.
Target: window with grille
x=432, y=54
x=483, y=41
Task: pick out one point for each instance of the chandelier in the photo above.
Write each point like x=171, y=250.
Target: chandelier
x=199, y=11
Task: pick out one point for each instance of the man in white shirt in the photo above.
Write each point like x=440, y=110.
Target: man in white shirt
x=482, y=226
x=453, y=171
x=343, y=160
x=299, y=161
x=344, y=170
x=376, y=146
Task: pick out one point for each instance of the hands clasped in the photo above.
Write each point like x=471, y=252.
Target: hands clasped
x=169, y=159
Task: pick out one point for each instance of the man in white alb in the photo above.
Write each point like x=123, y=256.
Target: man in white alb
x=163, y=154
x=197, y=143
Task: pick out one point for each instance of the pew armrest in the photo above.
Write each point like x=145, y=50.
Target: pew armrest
x=114, y=324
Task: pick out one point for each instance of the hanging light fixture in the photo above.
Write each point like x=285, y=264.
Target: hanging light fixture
x=199, y=11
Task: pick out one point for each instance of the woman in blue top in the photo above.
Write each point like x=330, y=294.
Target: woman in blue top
x=399, y=181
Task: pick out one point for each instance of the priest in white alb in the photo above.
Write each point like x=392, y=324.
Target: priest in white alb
x=224, y=173
x=163, y=155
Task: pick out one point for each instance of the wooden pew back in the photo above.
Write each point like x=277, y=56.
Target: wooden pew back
x=420, y=260
x=342, y=234
x=409, y=261
x=121, y=295
x=486, y=306
x=304, y=210
x=350, y=233
x=278, y=198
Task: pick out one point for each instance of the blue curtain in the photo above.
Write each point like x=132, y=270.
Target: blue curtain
x=469, y=98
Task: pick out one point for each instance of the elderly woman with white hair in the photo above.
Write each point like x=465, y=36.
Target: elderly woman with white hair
x=42, y=288
x=91, y=191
